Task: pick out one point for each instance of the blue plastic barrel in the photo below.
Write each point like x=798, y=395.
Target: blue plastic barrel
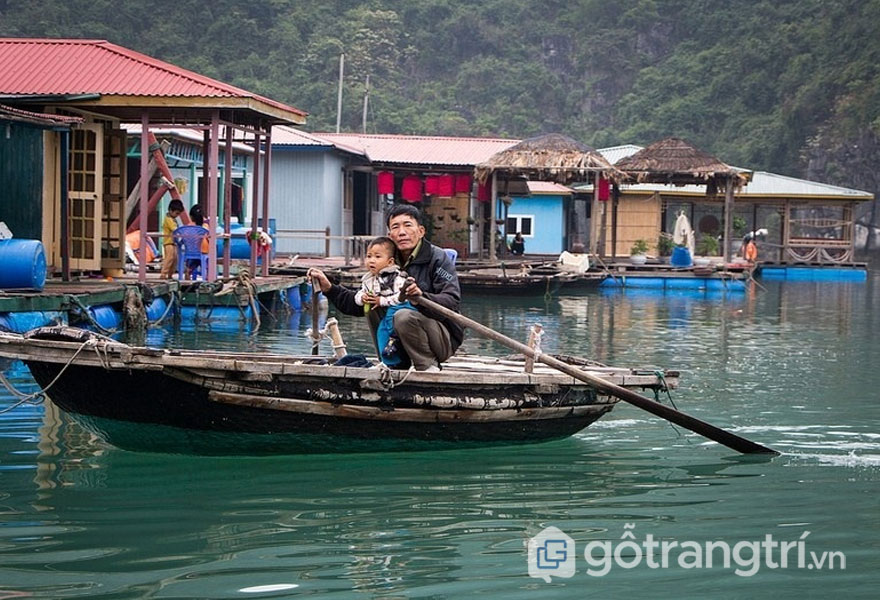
x=24, y=264
x=681, y=257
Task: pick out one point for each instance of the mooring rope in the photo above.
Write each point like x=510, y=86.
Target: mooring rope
x=386, y=377
x=38, y=396
x=84, y=310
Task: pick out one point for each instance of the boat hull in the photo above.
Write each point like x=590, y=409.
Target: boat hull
x=150, y=411
x=215, y=402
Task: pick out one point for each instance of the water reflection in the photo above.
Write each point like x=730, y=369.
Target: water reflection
x=790, y=365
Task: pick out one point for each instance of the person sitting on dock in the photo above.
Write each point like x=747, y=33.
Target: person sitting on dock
x=518, y=244
x=169, y=248
x=380, y=287
x=427, y=341
x=750, y=249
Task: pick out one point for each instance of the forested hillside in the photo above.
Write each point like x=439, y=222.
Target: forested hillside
x=791, y=86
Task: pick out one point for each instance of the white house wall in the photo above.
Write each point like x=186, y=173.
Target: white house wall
x=306, y=193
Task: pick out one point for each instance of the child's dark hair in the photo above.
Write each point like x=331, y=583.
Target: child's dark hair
x=404, y=209
x=175, y=205
x=195, y=213
x=383, y=241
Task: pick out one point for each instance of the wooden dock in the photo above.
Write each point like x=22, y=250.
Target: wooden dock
x=76, y=297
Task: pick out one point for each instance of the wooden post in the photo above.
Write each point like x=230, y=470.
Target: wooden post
x=728, y=219
x=227, y=199
x=615, y=202
x=142, y=261
x=492, y=202
x=535, y=344
x=64, y=166
x=332, y=327
x=266, y=172
x=255, y=200
x=604, y=219
x=211, y=195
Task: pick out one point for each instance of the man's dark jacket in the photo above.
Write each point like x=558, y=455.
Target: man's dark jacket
x=436, y=277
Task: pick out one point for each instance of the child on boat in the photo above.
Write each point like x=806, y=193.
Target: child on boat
x=380, y=287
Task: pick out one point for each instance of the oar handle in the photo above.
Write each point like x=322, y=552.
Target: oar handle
x=724, y=437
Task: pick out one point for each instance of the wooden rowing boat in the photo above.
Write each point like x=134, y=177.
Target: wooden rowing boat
x=195, y=401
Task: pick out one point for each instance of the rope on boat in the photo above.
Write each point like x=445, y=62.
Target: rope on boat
x=38, y=396
x=246, y=280
x=661, y=375
x=386, y=377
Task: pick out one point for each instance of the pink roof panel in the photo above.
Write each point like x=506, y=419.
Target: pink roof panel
x=421, y=150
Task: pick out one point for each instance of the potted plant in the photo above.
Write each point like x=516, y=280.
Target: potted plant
x=707, y=246
x=638, y=254
x=665, y=245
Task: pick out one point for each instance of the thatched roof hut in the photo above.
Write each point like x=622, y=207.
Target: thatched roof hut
x=675, y=161
x=549, y=157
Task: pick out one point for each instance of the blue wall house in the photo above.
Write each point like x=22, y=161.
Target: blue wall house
x=542, y=218
x=331, y=180
x=314, y=185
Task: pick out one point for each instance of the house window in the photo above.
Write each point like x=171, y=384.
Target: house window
x=521, y=223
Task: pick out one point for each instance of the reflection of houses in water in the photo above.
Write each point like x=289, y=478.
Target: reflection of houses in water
x=62, y=439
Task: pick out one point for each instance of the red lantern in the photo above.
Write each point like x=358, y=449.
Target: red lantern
x=604, y=189
x=431, y=182
x=385, y=182
x=484, y=192
x=411, y=189
x=462, y=184
x=445, y=185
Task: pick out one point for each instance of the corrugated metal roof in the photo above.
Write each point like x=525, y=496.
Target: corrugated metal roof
x=290, y=136
x=615, y=153
x=763, y=184
x=771, y=184
x=72, y=66
x=549, y=187
x=283, y=135
x=183, y=133
x=421, y=150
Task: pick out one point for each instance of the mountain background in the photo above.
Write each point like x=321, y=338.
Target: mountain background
x=788, y=86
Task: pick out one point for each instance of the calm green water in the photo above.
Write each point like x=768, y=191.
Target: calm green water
x=796, y=367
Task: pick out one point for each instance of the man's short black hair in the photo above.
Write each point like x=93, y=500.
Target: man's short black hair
x=383, y=241
x=404, y=209
x=176, y=205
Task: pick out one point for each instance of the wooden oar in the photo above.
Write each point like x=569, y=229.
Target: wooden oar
x=731, y=440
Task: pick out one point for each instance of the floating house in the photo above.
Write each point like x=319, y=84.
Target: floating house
x=332, y=187
x=76, y=169
x=806, y=221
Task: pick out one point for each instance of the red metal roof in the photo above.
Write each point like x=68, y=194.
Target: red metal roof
x=421, y=149
x=72, y=66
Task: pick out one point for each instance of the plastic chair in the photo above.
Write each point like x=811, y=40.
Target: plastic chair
x=452, y=253
x=189, y=242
